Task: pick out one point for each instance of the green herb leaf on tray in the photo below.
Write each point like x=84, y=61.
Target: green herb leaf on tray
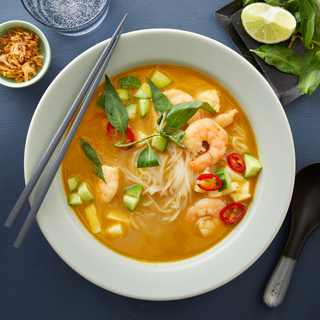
x=317, y=16
x=247, y=2
x=275, y=3
x=283, y=58
x=116, y=111
x=91, y=154
x=129, y=82
x=307, y=17
x=148, y=159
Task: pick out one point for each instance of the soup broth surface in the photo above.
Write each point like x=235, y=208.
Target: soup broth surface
x=157, y=230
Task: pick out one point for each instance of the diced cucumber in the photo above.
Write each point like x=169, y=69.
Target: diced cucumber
x=123, y=94
x=84, y=192
x=130, y=202
x=144, y=92
x=253, y=165
x=160, y=80
x=118, y=216
x=101, y=100
x=132, y=110
x=92, y=216
x=115, y=230
x=129, y=82
x=74, y=199
x=73, y=183
x=144, y=105
x=223, y=175
x=160, y=143
x=134, y=191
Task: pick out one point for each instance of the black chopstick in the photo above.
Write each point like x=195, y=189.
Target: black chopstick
x=92, y=82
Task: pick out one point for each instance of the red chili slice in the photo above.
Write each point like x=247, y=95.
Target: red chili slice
x=236, y=162
x=232, y=212
x=112, y=131
x=216, y=183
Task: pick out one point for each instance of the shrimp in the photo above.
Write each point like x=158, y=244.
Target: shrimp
x=211, y=97
x=217, y=138
x=225, y=119
x=206, y=214
x=178, y=96
x=109, y=189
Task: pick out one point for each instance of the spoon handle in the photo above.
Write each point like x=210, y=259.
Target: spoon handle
x=278, y=284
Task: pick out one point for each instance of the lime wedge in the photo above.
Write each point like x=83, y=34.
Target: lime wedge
x=267, y=24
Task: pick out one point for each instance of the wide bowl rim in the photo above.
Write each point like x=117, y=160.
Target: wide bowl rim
x=149, y=275
x=47, y=50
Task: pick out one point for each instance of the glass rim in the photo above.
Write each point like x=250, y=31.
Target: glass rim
x=65, y=29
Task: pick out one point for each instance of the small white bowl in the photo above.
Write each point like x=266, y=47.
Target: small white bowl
x=44, y=44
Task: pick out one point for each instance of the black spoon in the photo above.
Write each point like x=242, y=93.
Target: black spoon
x=305, y=211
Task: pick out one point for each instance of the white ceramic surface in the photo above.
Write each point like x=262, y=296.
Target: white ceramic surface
x=232, y=256
x=45, y=51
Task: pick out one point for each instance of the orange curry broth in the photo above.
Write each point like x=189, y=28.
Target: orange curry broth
x=162, y=241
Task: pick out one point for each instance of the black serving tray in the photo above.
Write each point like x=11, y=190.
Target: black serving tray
x=284, y=85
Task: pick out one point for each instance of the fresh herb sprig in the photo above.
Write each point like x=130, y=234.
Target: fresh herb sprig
x=307, y=15
x=168, y=124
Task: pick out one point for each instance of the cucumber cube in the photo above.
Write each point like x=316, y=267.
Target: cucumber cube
x=160, y=143
x=144, y=105
x=132, y=110
x=253, y=165
x=160, y=80
x=123, y=94
x=85, y=193
x=130, y=202
x=144, y=92
x=73, y=183
x=134, y=191
x=74, y=199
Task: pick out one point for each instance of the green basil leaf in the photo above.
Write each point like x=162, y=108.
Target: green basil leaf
x=293, y=6
x=312, y=64
x=182, y=112
x=309, y=81
x=101, y=101
x=275, y=3
x=116, y=111
x=90, y=153
x=247, y=2
x=147, y=158
x=316, y=8
x=175, y=134
x=129, y=82
x=307, y=17
x=283, y=58
x=160, y=102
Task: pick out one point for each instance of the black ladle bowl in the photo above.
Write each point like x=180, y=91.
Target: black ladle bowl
x=305, y=211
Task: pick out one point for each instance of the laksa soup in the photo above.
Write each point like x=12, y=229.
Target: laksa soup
x=163, y=165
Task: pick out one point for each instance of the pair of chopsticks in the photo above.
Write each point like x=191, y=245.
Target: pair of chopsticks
x=87, y=91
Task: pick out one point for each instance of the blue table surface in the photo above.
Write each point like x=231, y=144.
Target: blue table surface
x=35, y=283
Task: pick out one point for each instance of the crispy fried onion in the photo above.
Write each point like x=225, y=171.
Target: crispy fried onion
x=19, y=55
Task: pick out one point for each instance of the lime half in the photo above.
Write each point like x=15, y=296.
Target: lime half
x=267, y=24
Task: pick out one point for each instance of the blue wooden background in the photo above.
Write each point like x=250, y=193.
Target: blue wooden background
x=36, y=284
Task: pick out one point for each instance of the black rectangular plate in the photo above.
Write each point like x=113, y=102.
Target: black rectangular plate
x=284, y=85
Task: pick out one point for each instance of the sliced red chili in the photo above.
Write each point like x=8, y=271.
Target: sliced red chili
x=232, y=212
x=112, y=131
x=215, y=182
x=236, y=162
